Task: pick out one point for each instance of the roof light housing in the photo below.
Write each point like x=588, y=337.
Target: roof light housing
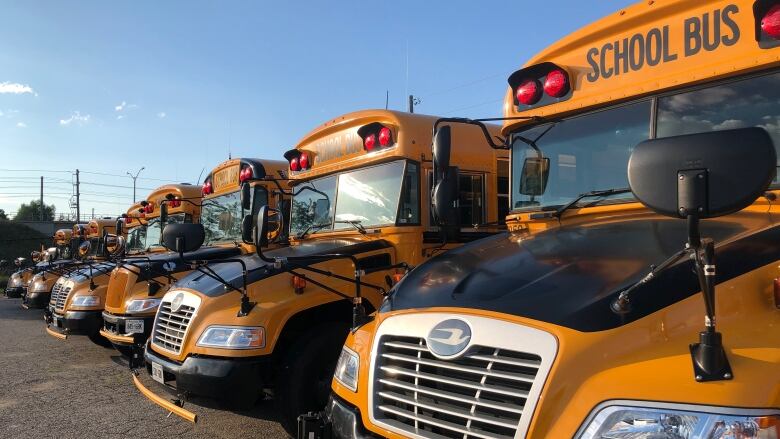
x=766, y=14
x=540, y=85
x=376, y=136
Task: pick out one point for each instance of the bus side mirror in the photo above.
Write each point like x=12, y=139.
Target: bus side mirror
x=120, y=225
x=442, y=147
x=84, y=249
x=703, y=175
x=163, y=215
x=246, y=229
x=534, y=176
x=183, y=237
x=270, y=223
x=115, y=245
x=246, y=196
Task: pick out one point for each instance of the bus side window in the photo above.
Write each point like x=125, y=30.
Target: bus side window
x=471, y=199
x=409, y=209
x=502, y=190
x=750, y=102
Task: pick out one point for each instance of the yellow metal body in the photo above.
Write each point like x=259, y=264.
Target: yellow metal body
x=648, y=359
x=334, y=147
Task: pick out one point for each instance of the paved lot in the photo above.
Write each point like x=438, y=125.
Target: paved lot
x=75, y=389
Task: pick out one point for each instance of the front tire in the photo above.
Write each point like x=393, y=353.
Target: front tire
x=306, y=373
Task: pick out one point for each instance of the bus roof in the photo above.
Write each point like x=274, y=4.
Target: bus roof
x=337, y=143
x=178, y=191
x=225, y=176
x=648, y=47
x=95, y=227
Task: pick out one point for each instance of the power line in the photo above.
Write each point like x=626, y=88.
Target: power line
x=472, y=106
x=34, y=170
x=122, y=176
x=462, y=85
x=115, y=185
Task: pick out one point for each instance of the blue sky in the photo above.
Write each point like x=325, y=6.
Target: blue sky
x=109, y=87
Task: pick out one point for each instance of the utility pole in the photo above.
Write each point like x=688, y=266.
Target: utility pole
x=411, y=103
x=41, y=197
x=78, y=205
x=135, y=177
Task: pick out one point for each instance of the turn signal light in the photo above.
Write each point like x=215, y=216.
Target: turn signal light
x=385, y=136
x=245, y=174
x=298, y=283
x=207, y=188
x=528, y=92
x=556, y=84
x=370, y=142
x=770, y=24
x=294, y=165
x=303, y=161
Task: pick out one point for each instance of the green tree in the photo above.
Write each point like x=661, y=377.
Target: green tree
x=32, y=212
x=3, y=216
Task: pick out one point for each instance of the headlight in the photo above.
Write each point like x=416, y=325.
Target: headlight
x=347, y=368
x=15, y=282
x=233, y=337
x=39, y=286
x=141, y=305
x=685, y=422
x=86, y=301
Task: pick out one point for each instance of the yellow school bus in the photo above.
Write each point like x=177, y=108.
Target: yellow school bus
x=138, y=283
x=134, y=284
x=78, y=297
x=579, y=330
x=20, y=279
x=56, y=262
x=359, y=204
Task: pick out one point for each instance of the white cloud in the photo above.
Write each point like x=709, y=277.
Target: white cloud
x=124, y=106
x=76, y=118
x=120, y=117
x=161, y=115
x=21, y=125
x=16, y=88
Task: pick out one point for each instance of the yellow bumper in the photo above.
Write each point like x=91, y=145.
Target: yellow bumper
x=116, y=338
x=56, y=334
x=162, y=402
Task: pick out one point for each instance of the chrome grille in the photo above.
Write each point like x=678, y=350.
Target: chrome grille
x=59, y=294
x=481, y=394
x=170, y=327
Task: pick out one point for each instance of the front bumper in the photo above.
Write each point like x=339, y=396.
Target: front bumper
x=36, y=299
x=115, y=329
x=75, y=322
x=14, y=292
x=220, y=378
x=339, y=421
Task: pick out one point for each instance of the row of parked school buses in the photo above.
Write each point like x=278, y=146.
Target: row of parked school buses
x=402, y=275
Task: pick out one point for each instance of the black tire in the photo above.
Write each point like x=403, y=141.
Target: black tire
x=303, y=383
x=99, y=340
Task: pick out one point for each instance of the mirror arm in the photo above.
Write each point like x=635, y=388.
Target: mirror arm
x=246, y=305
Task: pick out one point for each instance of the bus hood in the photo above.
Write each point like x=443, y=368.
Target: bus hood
x=258, y=269
x=569, y=276
x=157, y=264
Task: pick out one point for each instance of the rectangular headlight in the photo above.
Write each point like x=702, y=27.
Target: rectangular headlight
x=233, y=337
x=142, y=305
x=347, y=368
x=86, y=301
x=685, y=422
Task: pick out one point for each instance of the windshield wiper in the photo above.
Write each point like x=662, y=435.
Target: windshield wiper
x=590, y=194
x=312, y=228
x=353, y=223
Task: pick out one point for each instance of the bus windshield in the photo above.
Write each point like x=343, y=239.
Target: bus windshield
x=555, y=162
x=221, y=218
x=143, y=237
x=368, y=197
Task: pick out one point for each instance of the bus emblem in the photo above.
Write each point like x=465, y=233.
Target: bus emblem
x=449, y=338
x=176, y=302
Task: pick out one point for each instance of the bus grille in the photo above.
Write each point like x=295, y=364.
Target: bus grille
x=59, y=294
x=478, y=395
x=170, y=327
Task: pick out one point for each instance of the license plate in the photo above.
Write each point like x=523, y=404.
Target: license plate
x=157, y=373
x=56, y=322
x=134, y=327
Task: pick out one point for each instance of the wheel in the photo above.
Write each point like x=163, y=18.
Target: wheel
x=99, y=340
x=303, y=383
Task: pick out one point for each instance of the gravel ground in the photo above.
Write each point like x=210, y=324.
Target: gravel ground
x=75, y=389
